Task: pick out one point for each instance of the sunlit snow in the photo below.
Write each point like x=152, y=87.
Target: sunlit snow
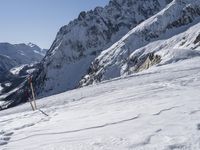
x=152, y=110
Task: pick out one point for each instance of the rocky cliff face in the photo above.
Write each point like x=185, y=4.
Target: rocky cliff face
x=82, y=40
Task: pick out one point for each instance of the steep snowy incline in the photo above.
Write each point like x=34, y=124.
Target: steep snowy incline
x=157, y=109
x=80, y=42
x=175, y=27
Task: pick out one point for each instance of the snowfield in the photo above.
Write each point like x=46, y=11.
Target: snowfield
x=157, y=109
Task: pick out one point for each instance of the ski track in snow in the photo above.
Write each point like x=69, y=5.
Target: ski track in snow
x=79, y=130
x=164, y=110
x=153, y=110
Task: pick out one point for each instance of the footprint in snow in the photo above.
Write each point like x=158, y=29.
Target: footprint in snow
x=24, y=126
x=5, y=137
x=198, y=126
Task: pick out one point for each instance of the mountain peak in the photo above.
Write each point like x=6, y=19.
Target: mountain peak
x=32, y=44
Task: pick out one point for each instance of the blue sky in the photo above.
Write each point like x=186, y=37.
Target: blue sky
x=38, y=21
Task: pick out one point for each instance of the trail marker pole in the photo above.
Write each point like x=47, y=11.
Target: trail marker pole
x=128, y=61
x=31, y=103
x=33, y=94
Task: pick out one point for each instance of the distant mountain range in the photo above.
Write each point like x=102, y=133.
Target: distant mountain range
x=22, y=53
x=14, y=58
x=123, y=38
x=13, y=55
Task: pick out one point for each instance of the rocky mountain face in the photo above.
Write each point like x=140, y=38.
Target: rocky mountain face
x=82, y=40
x=124, y=37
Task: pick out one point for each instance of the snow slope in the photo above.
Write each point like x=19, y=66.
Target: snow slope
x=157, y=109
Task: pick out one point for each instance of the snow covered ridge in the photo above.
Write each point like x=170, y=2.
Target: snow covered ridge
x=173, y=28
x=81, y=41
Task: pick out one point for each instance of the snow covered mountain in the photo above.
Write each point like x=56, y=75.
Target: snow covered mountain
x=22, y=53
x=81, y=41
x=147, y=96
x=158, y=40
x=15, y=55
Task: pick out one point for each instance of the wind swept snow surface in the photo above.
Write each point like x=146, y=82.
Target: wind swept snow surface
x=157, y=109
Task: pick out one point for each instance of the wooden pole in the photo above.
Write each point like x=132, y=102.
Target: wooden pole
x=31, y=104
x=33, y=94
x=33, y=101
x=128, y=62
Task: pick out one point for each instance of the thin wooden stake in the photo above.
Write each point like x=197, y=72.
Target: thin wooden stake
x=31, y=103
x=33, y=94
